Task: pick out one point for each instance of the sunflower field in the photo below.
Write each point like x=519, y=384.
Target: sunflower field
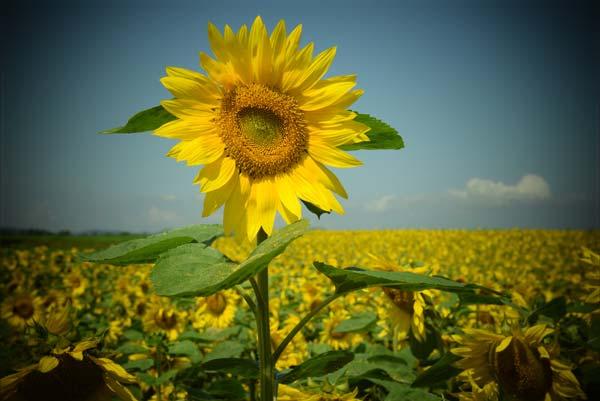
x=523, y=326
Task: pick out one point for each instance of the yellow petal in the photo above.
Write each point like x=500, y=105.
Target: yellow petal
x=185, y=129
x=260, y=51
x=85, y=345
x=47, y=363
x=331, y=156
x=217, y=71
x=326, y=96
x=287, y=196
x=215, y=175
x=120, y=391
x=189, y=89
x=113, y=369
x=234, y=216
x=503, y=344
x=202, y=150
x=324, y=176
x=215, y=199
x=287, y=216
x=217, y=42
x=340, y=134
x=314, y=72
x=190, y=74
x=188, y=108
x=261, y=207
x=292, y=42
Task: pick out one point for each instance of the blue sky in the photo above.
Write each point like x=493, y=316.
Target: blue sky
x=497, y=103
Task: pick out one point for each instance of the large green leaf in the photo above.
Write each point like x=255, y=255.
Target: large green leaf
x=236, y=366
x=187, y=348
x=359, y=322
x=145, y=120
x=439, y=372
x=147, y=250
x=320, y=365
x=194, y=270
x=352, y=279
x=381, y=135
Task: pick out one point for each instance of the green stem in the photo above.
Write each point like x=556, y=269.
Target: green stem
x=266, y=365
x=301, y=324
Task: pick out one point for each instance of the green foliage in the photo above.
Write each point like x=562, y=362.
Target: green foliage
x=320, y=365
x=352, y=279
x=381, y=135
x=194, y=270
x=145, y=120
x=236, y=366
x=359, y=322
x=439, y=372
x=555, y=309
x=187, y=348
x=147, y=250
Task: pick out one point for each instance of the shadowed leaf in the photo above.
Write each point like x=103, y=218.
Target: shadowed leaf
x=145, y=120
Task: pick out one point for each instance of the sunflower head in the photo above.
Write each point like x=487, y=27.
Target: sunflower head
x=520, y=365
x=265, y=125
x=520, y=370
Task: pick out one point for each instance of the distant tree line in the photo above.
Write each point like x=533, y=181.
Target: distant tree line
x=8, y=231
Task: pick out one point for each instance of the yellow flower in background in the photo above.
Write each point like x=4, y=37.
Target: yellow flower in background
x=69, y=374
x=216, y=311
x=162, y=316
x=520, y=364
x=337, y=340
x=264, y=124
x=21, y=310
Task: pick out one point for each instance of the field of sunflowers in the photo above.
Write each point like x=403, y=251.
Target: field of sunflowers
x=75, y=330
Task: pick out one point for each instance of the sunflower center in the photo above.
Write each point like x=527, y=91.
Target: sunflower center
x=263, y=130
x=521, y=373
x=404, y=300
x=165, y=319
x=23, y=308
x=216, y=304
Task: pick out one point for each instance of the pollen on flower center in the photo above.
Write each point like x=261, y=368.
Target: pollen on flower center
x=216, y=304
x=263, y=130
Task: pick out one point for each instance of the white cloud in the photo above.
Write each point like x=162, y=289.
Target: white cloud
x=530, y=187
x=381, y=204
x=162, y=216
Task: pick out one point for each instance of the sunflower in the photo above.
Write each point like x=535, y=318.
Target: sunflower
x=264, y=124
x=69, y=374
x=520, y=364
x=296, y=351
x=403, y=311
x=162, y=316
x=289, y=393
x=216, y=311
x=22, y=309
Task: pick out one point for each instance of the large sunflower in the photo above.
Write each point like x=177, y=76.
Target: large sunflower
x=520, y=364
x=264, y=124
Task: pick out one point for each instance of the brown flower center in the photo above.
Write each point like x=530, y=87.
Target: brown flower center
x=23, y=308
x=404, y=300
x=216, y=304
x=520, y=372
x=165, y=319
x=263, y=130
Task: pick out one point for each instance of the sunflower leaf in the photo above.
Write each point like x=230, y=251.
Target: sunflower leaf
x=381, y=135
x=359, y=322
x=147, y=250
x=352, y=279
x=196, y=270
x=439, y=372
x=318, y=366
x=235, y=366
x=145, y=120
